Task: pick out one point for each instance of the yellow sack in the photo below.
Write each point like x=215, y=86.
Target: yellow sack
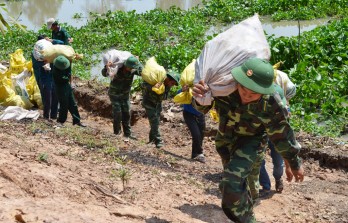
x=153, y=73
x=184, y=97
x=17, y=62
x=51, y=52
x=6, y=91
x=34, y=92
x=17, y=100
x=187, y=77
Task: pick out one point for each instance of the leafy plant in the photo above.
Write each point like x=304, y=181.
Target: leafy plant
x=124, y=174
x=43, y=157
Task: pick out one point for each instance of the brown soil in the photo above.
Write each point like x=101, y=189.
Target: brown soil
x=70, y=174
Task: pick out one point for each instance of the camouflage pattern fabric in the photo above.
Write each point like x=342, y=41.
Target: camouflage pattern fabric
x=152, y=102
x=241, y=141
x=119, y=93
x=121, y=114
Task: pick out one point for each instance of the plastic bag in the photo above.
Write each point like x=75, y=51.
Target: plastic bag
x=17, y=63
x=39, y=46
x=18, y=113
x=3, y=69
x=34, y=92
x=19, y=83
x=187, y=77
x=51, y=52
x=226, y=51
x=153, y=73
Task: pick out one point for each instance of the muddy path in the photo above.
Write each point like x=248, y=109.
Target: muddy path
x=70, y=174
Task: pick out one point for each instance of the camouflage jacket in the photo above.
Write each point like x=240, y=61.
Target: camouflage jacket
x=150, y=97
x=121, y=84
x=264, y=117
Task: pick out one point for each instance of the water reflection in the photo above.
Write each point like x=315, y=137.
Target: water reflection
x=289, y=28
x=36, y=12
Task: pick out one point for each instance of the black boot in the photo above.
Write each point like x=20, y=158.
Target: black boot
x=117, y=123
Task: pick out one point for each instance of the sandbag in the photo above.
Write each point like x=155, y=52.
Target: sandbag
x=284, y=81
x=17, y=100
x=6, y=90
x=154, y=73
x=19, y=83
x=18, y=63
x=51, y=52
x=34, y=92
x=116, y=58
x=187, y=77
x=227, y=51
x=39, y=46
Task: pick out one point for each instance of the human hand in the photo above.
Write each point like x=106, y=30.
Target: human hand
x=185, y=88
x=158, y=85
x=48, y=39
x=108, y=64
x=70, y=40
x=298, y=174
x=200, y=89
x=291, y=173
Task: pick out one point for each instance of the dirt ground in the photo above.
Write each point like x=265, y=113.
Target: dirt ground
x=71, y=174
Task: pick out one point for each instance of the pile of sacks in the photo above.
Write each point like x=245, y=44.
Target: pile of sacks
x=18, y=86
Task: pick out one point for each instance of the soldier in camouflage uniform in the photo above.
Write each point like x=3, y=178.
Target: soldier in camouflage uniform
x=119, y=93
x=248, y=116
x=152, y=102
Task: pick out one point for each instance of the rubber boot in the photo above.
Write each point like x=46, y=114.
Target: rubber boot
x=117, y=122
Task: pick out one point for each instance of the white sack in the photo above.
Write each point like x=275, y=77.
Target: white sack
x=117, y=59
x=226, y=51
x=283, y=80
x=39, y=46
x=18, y=113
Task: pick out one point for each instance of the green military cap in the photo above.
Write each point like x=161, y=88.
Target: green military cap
x=256, y=75
x=132, y=62
x=175, y=76
x=61, y=62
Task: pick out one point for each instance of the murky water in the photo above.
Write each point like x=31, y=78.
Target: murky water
x=34, y=13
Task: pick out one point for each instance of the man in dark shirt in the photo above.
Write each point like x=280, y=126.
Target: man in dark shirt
x=58, y=32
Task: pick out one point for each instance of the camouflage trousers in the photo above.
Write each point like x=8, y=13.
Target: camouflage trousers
x=153, y=113
x=241, y=158
x=121, y=114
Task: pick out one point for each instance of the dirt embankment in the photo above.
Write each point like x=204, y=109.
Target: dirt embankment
x=72, y=174
x=329, y=152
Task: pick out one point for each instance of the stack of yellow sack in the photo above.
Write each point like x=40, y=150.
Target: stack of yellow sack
x=17, y=86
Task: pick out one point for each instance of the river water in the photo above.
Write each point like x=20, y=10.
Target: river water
x=34, y=13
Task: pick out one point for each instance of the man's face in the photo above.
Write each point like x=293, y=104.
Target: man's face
x=247, y=95
x=54, y=26
x=169, y=82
